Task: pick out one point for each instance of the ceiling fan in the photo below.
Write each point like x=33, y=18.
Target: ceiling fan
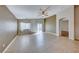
x=44, y=11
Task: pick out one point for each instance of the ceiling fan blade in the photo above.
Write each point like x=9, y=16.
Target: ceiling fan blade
x=43, y=12
x=46, y=8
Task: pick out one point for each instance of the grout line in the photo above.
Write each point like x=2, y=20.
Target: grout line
x=9, y=45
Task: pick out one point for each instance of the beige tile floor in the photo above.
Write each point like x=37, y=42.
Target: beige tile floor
x=43, y=43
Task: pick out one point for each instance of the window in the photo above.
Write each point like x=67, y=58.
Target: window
x=24, y=26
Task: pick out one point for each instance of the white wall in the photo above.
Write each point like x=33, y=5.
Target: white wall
x=8, y=27
x=69, y=15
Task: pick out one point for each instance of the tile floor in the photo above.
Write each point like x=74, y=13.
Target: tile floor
x=43, y=43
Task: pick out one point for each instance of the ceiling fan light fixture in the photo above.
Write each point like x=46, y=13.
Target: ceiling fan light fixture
x=44, y=11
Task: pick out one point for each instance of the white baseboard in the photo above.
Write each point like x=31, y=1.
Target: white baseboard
x=9, y=45
x=12, y=42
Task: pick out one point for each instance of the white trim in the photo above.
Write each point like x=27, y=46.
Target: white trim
x=9, y=45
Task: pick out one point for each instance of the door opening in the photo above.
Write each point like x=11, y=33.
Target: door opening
x=63, y=28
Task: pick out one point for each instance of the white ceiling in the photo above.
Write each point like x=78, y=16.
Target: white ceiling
x=32, y=11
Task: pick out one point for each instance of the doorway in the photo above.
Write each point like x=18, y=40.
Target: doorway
x=63, y=27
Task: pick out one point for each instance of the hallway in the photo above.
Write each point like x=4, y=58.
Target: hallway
x=42, y=43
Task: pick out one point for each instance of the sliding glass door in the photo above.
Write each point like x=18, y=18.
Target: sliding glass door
x=39, y=27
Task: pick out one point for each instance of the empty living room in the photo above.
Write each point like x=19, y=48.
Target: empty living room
x=39, y=28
